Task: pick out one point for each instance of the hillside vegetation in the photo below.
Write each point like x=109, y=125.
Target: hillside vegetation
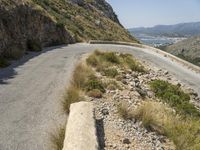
x=188, y=49
x=33, y=24
x=86, y=19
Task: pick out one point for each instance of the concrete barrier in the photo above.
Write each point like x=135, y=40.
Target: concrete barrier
x=81, y=128
x=165, y=54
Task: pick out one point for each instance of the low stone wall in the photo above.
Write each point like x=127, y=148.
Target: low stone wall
x=81, y=128
x=165, y=54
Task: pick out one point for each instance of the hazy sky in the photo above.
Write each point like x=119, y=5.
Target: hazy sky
x=135, y=13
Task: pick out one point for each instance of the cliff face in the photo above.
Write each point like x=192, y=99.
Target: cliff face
x=22, y=24
x=32, y=24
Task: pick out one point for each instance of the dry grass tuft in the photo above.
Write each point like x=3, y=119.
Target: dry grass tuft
x=74, y=91
x=72, y=95
x=83, y=80
x=104, y=61
x=57, y=138
x=184, y=132
x=112, y=85
x=124, y=112
x=81, y=73
x=95, y=93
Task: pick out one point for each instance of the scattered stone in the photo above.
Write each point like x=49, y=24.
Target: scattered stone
x=126, y=141
x=142, y=92
x=124, y=81
x=166, y=73
x=105, y=112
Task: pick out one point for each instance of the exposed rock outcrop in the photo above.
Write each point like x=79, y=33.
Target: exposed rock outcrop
x=24, y=22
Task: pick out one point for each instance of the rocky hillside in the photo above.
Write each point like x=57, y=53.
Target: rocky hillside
x=188, y=49
x=33, y=24
x=136, y=105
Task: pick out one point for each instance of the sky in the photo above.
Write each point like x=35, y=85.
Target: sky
x=147, y=13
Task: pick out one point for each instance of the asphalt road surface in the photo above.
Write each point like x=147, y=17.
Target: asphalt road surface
x=31, y=91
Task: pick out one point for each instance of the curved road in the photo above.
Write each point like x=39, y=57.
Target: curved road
x=31, y=89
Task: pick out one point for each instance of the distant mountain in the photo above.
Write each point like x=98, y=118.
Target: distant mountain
x=177, y=30
x=188, y=49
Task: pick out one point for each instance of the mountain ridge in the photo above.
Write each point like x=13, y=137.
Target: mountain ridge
x=177, y=30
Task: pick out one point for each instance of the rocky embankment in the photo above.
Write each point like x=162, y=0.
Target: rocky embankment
x=136, y=105
x=116, y=133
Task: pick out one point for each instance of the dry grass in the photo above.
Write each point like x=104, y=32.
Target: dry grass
x=83, y=81
x=95, y=93
x=184, y=132
x=57, y=138
x=72, y=95
x=94, y=83
x=74, y=92
x=81, y=73
x=124, y=112
x=129, y=62
x=110, y=72
x=112, y=85
x=105, y=61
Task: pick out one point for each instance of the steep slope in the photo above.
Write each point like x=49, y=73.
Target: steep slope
x=188, y=49
x=177, y=30
x=33, y=24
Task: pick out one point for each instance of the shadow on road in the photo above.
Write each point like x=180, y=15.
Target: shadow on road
x=10, y=71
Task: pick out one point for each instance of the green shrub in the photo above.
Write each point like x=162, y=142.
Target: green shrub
x=4, y=62
x=94, y=83
x=131, y=63
x=174, y=96
x=14, y=53
x=101, y=60
x=60, y=24
x=111, y=57
x=34, y=45
x=110, y=72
